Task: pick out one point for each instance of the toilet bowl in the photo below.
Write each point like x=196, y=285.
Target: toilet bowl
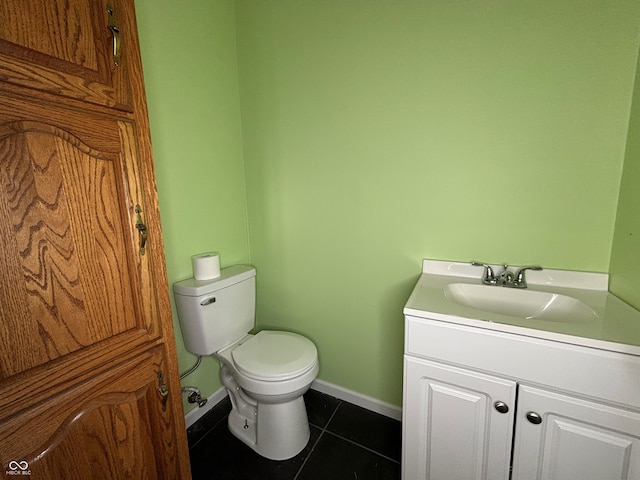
x=265, y=374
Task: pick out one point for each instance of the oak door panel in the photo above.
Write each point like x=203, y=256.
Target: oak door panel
x=73, y=278
x=65, y=48
x=59, y=202
x=107, y=428
x=85, y=317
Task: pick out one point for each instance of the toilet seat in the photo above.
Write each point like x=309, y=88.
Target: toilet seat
x=275, y=356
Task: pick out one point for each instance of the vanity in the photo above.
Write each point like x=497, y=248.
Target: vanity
x=513, y=383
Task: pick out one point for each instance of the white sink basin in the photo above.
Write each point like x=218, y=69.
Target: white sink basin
x=527, y=304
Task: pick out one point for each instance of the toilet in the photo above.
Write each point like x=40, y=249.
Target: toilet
x=265, y=374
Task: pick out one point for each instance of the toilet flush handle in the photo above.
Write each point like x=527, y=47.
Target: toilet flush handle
x=208, y=301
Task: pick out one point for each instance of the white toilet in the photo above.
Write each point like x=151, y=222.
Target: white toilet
x=266, y=374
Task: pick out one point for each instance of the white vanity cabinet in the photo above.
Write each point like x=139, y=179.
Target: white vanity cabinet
x=458, y=423
x=481, y=404
x=563, y=437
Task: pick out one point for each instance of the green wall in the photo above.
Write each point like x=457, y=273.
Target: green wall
x=377, y=133
x=190, y=68
x=625, y=255
x=373, y=133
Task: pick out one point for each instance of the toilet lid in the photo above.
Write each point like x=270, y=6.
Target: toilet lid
x=271, y=355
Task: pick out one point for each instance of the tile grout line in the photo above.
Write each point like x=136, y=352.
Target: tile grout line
x=362, y=446
x=353, y=442
x=324, y=429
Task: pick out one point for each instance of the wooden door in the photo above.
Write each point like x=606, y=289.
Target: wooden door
x=89, y=385
x=559, y=437
x=111, y=426
x=457, y=423
x=66, y=48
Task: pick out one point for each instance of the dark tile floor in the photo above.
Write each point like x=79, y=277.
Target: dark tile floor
x=347, y=442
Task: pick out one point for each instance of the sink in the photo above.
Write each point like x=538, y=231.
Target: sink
x=527, y=304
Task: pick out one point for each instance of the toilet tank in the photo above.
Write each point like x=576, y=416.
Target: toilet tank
x=215, y=313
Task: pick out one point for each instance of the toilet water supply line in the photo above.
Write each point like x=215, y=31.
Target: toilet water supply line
x=194, y=392
x=192, y=369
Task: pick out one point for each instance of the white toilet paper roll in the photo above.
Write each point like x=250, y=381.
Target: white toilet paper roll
x=206, y=266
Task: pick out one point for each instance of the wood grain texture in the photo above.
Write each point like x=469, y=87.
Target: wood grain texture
x=63, y=224
x=101, y=430
x=64, y=48
x=56, y=28
x=77, y=378
x=83, y=138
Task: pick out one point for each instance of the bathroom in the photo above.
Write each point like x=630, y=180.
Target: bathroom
x=335, y=144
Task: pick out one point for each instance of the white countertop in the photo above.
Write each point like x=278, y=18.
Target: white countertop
x=617, y=327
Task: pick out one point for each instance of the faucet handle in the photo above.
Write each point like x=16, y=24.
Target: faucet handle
x=519, y=280
x=488, y=276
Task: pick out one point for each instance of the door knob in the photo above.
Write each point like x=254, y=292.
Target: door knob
x=501, y=407
x=534, y=418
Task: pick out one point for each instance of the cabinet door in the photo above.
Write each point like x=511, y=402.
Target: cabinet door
x=65, y=48
x=79, y=298
x=74, y=284
x=85, y=317
x=574, y=439
x=452, y=429
x=106, y=428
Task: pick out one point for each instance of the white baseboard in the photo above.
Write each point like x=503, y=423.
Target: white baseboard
x=364, y=401
x=193, y=415
x=341, y=393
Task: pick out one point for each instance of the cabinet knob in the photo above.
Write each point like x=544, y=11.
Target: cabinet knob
x=534, y=418
x=501, y=407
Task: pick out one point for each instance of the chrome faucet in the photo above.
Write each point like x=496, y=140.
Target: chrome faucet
x=506, y=278
x=519, y=281
x=488, y=276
